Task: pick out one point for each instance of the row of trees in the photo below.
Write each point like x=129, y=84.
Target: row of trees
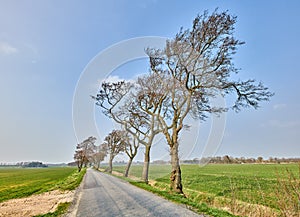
x=193, y=68
x=24, y=164
x=115, y=142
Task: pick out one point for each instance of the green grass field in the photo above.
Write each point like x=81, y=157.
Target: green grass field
x=21, y=182
x=249, y=183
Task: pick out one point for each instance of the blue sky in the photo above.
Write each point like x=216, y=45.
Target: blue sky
x=46, y=45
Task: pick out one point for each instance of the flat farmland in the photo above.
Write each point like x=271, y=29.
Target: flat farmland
x=235, y=186
x=23, y=182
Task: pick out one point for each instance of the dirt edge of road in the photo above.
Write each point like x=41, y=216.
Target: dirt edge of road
x=72, y=210
x=35, y=204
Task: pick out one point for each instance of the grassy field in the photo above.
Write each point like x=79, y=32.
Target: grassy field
x=21, y=182
x=231, y=186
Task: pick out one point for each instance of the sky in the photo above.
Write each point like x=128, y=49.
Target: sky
x=47, y=46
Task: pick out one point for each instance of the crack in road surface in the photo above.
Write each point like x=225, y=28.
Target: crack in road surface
x=105, y=195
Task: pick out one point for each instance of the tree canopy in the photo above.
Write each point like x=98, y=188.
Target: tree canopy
x=193, y=68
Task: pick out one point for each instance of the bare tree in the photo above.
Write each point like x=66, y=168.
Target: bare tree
x=99, y=155
x=227, y=159
x=84, y=152
x=260, y=159
x=147, y=102
x=79, y=158
x=115, y=143
x=134, y=108
x=199, y=65
x=131, y=150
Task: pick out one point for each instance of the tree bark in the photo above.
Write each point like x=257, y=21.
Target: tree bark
x=146, y=164
x=175, y=177
x=110, y=164
x=79, y=165
x=98, y=165
x=128, y=167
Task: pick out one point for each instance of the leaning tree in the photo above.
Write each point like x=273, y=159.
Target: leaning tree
x=84, y=152
x=131, y=150
x=198, y=64
x=99, y=155
x=135, y=108
x=114, y=143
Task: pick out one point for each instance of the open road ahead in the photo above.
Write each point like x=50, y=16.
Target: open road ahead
x=105, y=195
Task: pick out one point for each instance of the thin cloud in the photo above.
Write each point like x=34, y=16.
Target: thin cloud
x=280, y=106
x=281, y=124
x=114, y=79
x=109, y=79
x=7, y=49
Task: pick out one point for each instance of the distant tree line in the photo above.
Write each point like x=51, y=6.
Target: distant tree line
x=35, y=164
x=117, y=142
x=240, y=160
x=31, y=164
x=231, y=160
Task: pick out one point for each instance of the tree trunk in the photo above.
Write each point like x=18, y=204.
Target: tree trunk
x=146, y=164
x=85, y=164
x=128, y=167
x=110, y=164
x=79, y=165
x=175, y=178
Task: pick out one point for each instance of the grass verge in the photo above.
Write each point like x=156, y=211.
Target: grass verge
x=201, y=208
x=20, y=183
x=70, y=183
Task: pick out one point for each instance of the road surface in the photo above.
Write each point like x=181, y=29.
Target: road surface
x=105, y=195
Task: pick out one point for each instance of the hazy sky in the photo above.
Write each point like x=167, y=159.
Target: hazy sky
x=46, y=45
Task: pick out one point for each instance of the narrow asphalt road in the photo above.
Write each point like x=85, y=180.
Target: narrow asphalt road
x=105, y=195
